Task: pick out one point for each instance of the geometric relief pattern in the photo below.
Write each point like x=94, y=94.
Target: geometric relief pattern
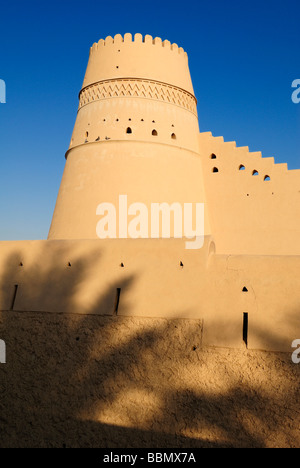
x=146, y=89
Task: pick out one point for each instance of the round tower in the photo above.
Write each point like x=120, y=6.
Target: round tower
x=136, y=134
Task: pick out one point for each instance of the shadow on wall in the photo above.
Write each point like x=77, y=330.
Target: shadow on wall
x=88, y=380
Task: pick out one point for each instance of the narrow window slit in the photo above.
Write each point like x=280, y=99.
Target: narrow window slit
x=245, y=328
x=117, y=301
x=14, y=297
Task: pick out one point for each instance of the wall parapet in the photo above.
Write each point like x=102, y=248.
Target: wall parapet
x=138, y=39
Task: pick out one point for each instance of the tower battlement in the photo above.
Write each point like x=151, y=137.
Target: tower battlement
x=137, y=38
x=141, y=57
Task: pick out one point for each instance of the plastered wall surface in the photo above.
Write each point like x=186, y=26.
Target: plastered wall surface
x=160, y=279
x=94, y=381
x=101, y=172
x=253, y=202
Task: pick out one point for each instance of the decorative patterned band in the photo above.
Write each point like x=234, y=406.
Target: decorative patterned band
x=138, y=89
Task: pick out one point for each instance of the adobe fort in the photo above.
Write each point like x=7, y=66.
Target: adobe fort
x=138, y=341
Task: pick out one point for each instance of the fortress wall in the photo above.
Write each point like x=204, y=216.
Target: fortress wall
x=93, y=381
x=161, y=365
x=250, y=215
x=158, y=279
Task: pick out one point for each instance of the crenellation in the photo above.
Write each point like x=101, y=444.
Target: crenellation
x=243, y=149
x=270, y=161
x=138, y=39
x=127, y=37
x=230, y=144
x=218, y=140
x=118, y=39
x=148, y=39
x=108, y=40
x=94, y=47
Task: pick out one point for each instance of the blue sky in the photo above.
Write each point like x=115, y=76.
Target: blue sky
x=243, y=58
